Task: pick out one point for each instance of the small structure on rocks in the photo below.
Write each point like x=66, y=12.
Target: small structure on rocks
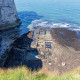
x=42, y=41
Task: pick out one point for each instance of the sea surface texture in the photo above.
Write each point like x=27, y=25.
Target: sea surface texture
x=45, y=13
x=55, y=13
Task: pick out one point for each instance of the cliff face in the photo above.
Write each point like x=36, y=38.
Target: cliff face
x=8, y=13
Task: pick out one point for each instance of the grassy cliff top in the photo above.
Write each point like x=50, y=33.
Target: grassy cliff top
x=22, y=73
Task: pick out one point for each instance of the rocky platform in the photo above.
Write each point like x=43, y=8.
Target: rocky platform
x=65, y=53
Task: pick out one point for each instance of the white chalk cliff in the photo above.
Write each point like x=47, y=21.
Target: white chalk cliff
x=8, y=13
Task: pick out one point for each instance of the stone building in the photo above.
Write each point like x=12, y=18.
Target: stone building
x=43, y=41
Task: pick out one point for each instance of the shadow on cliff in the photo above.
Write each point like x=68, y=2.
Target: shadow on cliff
x=26, y=17
x=19, y=54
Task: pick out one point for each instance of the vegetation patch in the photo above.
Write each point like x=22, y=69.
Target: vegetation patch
x=22, y=73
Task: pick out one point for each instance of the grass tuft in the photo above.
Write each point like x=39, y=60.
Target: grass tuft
x=22, y=73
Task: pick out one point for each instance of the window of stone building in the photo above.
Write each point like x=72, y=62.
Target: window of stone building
x=48, y=45
x=47, y=32
x=38, y=45
x=38, y=37
x=41, y=33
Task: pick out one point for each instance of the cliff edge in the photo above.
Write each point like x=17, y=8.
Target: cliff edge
x=8, y=15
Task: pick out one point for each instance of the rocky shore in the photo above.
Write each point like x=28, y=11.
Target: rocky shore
x=65, y=52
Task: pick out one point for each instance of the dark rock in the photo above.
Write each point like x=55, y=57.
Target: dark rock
x=18, y=54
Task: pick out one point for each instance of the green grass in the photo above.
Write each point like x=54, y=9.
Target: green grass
x=22, y=73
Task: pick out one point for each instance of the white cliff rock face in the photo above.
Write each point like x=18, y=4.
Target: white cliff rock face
x=8, y=13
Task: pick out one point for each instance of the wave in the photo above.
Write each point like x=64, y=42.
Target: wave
x=47, y=24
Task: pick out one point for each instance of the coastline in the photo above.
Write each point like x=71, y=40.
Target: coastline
x=66, y=44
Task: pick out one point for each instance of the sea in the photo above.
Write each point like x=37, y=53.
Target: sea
x=50, y=13
x=45, y=13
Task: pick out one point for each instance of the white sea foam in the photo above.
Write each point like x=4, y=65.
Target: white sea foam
x=45, y=24
x=61, y=25
x=75, y=29
x=39, y=23
x=36, y=20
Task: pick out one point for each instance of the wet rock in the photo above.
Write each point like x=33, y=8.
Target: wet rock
x=42, y=53
x=55, y=60
x=63, y=64
x=0, y=37
x=45, y=55
x=0, y=40
x=50, y=64
x=48, y=55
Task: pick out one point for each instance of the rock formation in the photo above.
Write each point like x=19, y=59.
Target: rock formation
x=8, y=14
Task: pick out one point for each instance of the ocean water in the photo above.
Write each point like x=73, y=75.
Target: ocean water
x=56, y=13
x=46, y=13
